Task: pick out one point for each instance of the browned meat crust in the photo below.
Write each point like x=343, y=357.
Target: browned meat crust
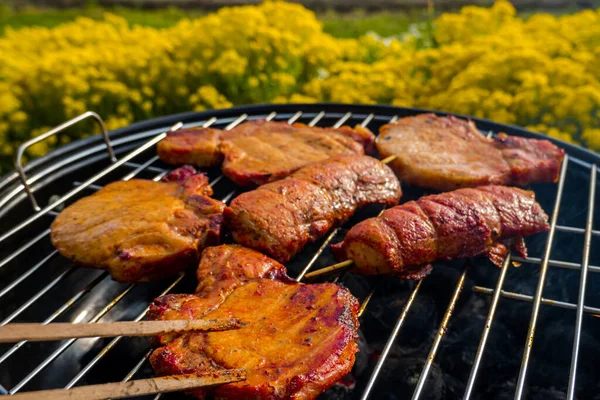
x=196, y=146
x=297, y=342
x=223, y=268
x=257, y=152
x=445, y=153
x=141, y=230
x=459, y=224
x=281, y=217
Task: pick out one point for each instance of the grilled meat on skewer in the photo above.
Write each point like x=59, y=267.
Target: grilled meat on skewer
x=446, y=153
x=297, y=342
x=404, y=240
x=281, y=217
x=141, y=230
x=257, y=152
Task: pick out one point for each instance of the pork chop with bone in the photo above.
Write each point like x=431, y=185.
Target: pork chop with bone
x=296, y=342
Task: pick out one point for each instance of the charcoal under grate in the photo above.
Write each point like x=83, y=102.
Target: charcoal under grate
x=469, y=330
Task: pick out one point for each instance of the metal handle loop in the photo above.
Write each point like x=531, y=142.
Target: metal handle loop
x=54, y=131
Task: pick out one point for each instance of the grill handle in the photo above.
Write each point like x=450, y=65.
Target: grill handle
x=54, y=131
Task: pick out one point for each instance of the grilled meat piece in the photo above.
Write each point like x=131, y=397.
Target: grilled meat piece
x=257, y=152
x=196, y=146
x=281, y=217
x=445, y=153
x=223, y=268
x=405, y=239
x=141, y=230
x=277, y=149
x=297, y=342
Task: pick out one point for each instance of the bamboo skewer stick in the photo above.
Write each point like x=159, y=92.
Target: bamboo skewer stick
x=36, y=332
x=389, y=159
x=341, y=266
x=140, y=387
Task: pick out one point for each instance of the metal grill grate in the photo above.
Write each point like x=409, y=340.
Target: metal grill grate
x=52, y=289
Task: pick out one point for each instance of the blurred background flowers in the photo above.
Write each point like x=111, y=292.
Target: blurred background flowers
x=538, y=70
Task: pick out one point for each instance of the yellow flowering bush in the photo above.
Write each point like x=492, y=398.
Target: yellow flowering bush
x=541, y=72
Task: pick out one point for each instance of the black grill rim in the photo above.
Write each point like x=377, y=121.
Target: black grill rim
x=145, y=129
x=155, y=123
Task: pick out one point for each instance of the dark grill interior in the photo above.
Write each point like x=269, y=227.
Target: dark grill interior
x=418, y=339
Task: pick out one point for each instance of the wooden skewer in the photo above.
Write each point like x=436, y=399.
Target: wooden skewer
x=140, y=387
x=341, y=266
x=389, y=159
x=36, y=332
x=344, y=265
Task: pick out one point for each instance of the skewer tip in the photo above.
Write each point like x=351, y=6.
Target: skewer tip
x=332, y=268
x=389, y=159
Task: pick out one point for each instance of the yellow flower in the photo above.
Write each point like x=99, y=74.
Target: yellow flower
x=592, y=138
x=253, y=82
x=540, y=72
x=229, y=63
x=147, y=106
x=298, y=98
x=208, y=97
x=18, y=117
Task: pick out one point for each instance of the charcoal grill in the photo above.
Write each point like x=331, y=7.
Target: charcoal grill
x=469, y=330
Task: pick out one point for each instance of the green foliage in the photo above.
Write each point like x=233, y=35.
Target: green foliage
x=359, y=23
x=49, y=18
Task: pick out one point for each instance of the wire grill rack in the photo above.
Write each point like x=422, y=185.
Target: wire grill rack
x=38, y=285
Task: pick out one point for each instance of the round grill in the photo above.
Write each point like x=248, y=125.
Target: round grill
x=469, y=330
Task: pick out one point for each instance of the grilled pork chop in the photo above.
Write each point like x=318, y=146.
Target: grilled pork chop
x=281, y=217
x=222, y=269
x=404, y=240
x=257, y=152
x=297, y=342
x=445, y=153
x=141, y=230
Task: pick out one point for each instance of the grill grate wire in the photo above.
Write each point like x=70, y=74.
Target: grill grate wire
x=496, y=293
